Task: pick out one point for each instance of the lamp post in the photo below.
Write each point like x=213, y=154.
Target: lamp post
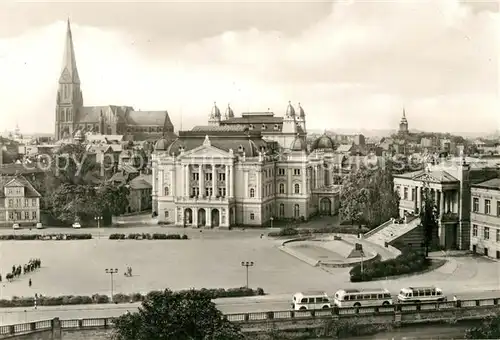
x=247, y=264
x=98, y=219
x=272, y=219
x=362, y=261
x=111, y=271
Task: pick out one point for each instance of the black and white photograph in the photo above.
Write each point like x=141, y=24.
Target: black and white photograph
x=250, y=170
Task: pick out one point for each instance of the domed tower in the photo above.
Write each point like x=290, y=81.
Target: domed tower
x=229, y=113
x=301, y=118
x=289, y=123
x=215, y=116
x=323, y=143
x=403, y=125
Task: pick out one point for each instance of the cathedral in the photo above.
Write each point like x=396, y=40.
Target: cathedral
x=246, y=171
x=73, y=116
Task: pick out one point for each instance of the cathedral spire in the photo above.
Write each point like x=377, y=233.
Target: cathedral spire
x=69, y=72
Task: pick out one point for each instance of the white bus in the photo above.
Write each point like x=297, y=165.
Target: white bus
x=421, y=294
x=311, y=300
x=359, y=298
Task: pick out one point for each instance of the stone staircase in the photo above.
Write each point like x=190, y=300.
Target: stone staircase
x=392, y=231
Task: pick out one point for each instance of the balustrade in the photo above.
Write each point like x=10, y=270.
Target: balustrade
x=399, y=310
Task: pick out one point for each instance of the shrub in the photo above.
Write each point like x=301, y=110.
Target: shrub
x=118, y=298
x=287, y=231
x=410, y=261
x=146, y=236
x=31, y=237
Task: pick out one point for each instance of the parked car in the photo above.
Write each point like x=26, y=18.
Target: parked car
x=76, y=225
x=16, y=226
x=39, y=225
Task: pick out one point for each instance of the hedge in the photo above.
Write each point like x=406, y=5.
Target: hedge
x=148, y=237
x=37, y=237
x=309, y=231
x=409, y=262
x=118, y=298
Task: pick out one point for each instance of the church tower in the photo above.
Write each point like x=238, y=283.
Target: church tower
x=403, y=125
x=69, y=94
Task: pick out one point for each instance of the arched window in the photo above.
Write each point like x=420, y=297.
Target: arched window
x=282, y=188
x=296, y=188
x=252, y=192
x=167, y=191
x=296, y=210
x=282, y=209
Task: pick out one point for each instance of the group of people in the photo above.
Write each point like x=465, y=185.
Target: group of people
x=27, y=268
x=128, y=272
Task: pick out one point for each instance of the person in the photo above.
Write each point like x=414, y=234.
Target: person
x=29, y=282
x=36, y=299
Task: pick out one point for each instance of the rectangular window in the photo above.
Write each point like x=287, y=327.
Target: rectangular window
x=486, y=233
x=11, y=203
x=498, y=235
x=296, y=172
x=487, y=207
x=222, y=192
x=33, y=213
x=166, y=213
x=195, y=176
x=498, y=208
x=195, y=191
x=474, y=230
x=222, y=176
x=281, y=172
x=208, y=176
x=252, y=216
x=33, y=202
x=208, y=191
x=413, y=194
x=26, y=203
x=26, y=215
x=11, y=215
x=475, y=204
x=405, y=193
x=18, y=203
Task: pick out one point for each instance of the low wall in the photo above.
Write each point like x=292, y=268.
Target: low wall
x=396, y=315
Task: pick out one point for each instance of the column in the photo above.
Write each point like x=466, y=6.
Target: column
x=419, y=198
x=441, y=205
x=173, y=186
x=258, y=179
x=303, y=187
x=194, y=217
x=176, y=216
x=316, y=177
x=231, y=181
x=208, y=217
x=186, y=180
x=245, y=183
x=441, y=228
x=202, y=181
x=154, y=182
x=215, y=188
x=226, y=181
x=415, y=208
x=161, y=183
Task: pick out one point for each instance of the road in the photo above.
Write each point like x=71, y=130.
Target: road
x=226, y=305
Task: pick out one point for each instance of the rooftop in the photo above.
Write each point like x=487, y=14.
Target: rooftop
x=490, y=184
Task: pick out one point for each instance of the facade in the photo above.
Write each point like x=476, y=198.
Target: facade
x=71, y=115
x=140, y=194
x=246, y=173
x=485, y=218
x=19, y=201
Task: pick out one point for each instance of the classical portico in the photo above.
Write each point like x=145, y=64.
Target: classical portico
x=445, y=192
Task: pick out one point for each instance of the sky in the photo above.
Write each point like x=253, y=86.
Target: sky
x=351, y=64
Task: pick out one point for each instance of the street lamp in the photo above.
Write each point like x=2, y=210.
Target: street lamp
x=111, y=271
x=362, y=261
x=247, y=264
x=98, y=219
x=272, y=219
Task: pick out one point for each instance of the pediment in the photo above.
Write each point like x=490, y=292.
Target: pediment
x=206, y=151
x=425, y=177
x=14, y=183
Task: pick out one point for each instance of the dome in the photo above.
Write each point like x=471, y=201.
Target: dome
x=290, y=111
x=298, y=144
x=161, y=145
x=215, y=111
x=302, y=114
x=229, y=112
x=323, y=142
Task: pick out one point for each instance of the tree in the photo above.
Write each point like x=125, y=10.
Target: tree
x=113, y=199
x=72, y=202
x=489, y=329
x=429, y=218
x=72, y=164
x=189, y=315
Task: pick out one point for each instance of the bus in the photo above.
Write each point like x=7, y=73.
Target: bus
x=421, y=294
x=359, y=298
x=311, y=300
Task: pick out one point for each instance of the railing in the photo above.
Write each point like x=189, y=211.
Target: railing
x=377, y=229
x=277, y=316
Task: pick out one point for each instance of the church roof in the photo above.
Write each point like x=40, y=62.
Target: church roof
x=148, y=118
